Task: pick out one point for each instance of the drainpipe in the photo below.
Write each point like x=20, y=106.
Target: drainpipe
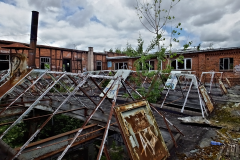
x=90, y=59
x=33, y=40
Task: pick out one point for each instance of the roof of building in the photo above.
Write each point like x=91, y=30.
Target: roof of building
x=187, y=51
x=51, y=47
x=120, y=57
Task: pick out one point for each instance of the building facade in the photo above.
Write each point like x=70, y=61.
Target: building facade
x=72, y=60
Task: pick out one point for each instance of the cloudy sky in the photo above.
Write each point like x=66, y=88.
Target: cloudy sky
x=105, y=24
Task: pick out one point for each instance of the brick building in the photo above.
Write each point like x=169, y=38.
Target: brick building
x=72, y=60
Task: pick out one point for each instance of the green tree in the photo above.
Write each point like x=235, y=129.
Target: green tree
x=155, y=19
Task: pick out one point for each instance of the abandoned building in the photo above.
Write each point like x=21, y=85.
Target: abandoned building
x=105, y=106
x=78, y=61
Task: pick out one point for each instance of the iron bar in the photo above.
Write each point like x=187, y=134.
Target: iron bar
x=85, y=93
x=85, y=123
x=106, y=153
x=30, y=108
x=99, y=88
x=155, y=109
x=187, y=96
x=21, y=94
x=50, y=117
x=2, y=124
x=108, y=124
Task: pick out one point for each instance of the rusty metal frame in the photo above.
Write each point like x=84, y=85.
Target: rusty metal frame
x=158, y=149
x=39, y=86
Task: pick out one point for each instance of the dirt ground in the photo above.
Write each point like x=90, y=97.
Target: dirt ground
x=196, y=143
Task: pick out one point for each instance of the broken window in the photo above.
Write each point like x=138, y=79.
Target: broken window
x=180, y=65
x=188, y=63
x=184, y=65
x=45, y=62
x=226, y=63
x=99, y=65
x=173, y=64
x=121, y=65
x=150, y=65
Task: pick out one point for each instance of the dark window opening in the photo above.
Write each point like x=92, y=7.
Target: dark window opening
x=180, y=65
x=226, y=63
x=4, y=61
x=151, y=65
x=66, y=65
x=173, y=64
x=121, y=65
x=99, y=65
x=188, y=64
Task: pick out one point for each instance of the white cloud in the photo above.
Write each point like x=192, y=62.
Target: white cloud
x=66, y=23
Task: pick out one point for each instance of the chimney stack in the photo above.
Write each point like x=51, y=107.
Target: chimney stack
x=90, y=59
x=33, y=40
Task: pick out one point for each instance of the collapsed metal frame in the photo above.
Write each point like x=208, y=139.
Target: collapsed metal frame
x=43, y=83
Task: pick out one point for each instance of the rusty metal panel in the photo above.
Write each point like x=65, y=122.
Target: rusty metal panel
x=206, y=98
x=141, y=132
x=228, y=82
x=223, y=88
x=12, y=82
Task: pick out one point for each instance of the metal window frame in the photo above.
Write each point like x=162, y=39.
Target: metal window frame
x=223, y=64
x=98, y=65
x=185, y=68
x=118, y=65
x=40, y=60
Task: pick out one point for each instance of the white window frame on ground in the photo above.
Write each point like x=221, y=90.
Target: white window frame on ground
x=45, y=60
x=125, y=64
x=223, y=66
x=98, y=64
x=184, y=65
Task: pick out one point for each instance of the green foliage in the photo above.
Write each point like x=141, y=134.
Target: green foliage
x=64, y=124
x=16, y=136
x=46, y=66
x=110, y=50
x=118, y=51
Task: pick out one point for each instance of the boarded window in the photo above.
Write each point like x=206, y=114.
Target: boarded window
x=226, y=63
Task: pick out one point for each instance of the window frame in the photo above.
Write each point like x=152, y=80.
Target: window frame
x=98, y=65
x=185, y=64
x=49, y=58
x=229, y=63
x=118, y=65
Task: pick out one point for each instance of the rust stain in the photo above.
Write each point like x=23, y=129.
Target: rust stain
x=223, y=88
x=206, y=98
x=141, y=132
x=12, y=82
x=228, y=82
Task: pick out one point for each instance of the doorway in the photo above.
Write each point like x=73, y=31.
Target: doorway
x=67, y=65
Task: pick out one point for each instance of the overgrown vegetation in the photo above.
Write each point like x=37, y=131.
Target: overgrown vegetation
x=19, y=134
x=155, y=19
x=116, y=152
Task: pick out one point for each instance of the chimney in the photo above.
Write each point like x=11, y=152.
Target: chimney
x=90, y=59
x=33, y=40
